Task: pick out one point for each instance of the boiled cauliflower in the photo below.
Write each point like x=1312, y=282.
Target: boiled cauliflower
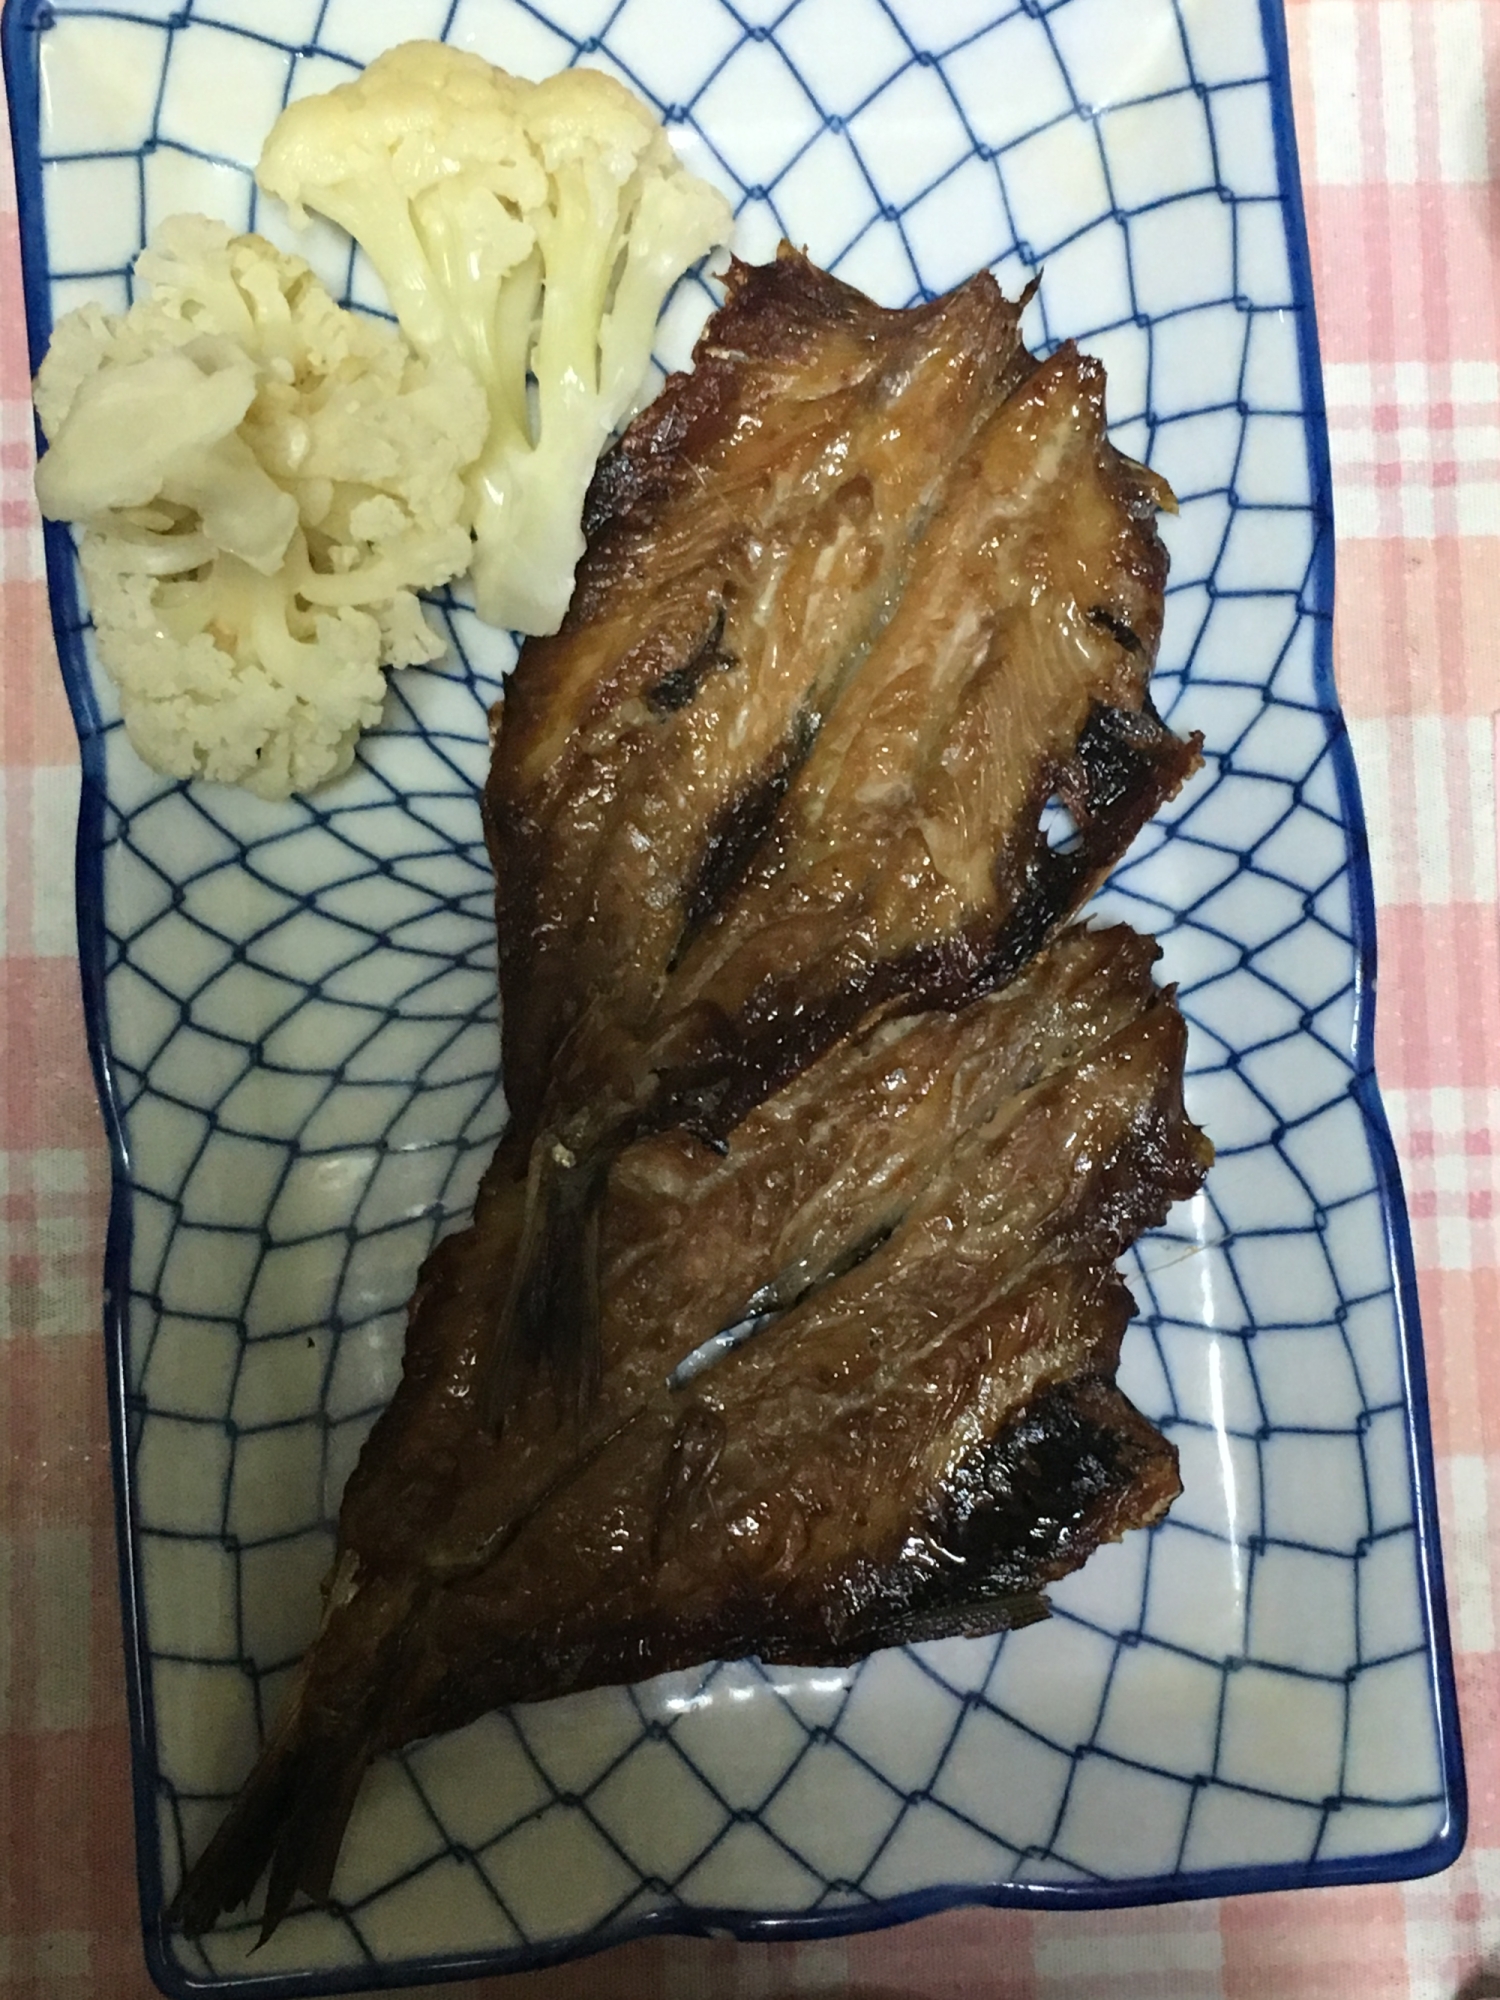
x=263, y=481
x=532, y=229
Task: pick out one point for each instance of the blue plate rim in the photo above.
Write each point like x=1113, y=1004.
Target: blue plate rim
x=20, y=22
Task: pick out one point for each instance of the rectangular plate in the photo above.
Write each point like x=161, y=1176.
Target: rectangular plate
x=292, y=1012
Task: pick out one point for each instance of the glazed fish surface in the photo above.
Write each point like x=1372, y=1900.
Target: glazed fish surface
x=748, y=539
x=788, y=1319
x=923, y=1438
x=722, y=837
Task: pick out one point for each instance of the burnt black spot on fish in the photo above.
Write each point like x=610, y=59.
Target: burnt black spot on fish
x=676, y=689
x=1129, y=762
x=1116, y=627
x=974, y=1618
x=1050, y=1478
x=1125, y=763
x=738, y=832
x=1022, y=1510
x=1073, y=1447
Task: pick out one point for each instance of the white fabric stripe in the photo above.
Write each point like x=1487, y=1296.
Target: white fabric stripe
x=1439, y=770
x=1371, y=740
x=1484, y=1862
x=1446, y=1110
x=45, y=1958
x=1436, y=470
x=1453, y=1236
x=1468, y=1551
x=1478, y=881
x=1451, y=1191
x=818, y=1968
x=44, y=1170
x=1457, y=28
x=1360, y=444
x=822, y=1966
x=21, y=559
x=1348, y=385
x=1454, y=33
x=49, y=1236
x=1357, y=511
x=1474, y=381
x=1428, y=777
x=62, y=1587
x=1356, y=385
x=20, y=542
x=1332, y=32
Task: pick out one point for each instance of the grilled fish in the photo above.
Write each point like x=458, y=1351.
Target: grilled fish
x=904, y=858
x=747, y=540
x=918, y=1443
x=694, y=1243
x=788, y=1319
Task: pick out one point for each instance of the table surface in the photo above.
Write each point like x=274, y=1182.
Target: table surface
x=1404, y=208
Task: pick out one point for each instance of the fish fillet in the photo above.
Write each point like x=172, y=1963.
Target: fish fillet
x=788, y=1319
x=920, y=1444
x=906, y=857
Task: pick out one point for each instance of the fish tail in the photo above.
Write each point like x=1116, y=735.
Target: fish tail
x=549, y=1323
x=290, y=1819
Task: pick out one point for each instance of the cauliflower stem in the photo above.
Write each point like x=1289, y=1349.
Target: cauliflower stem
x=533, y=231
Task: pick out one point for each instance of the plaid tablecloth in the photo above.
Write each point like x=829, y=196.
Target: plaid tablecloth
x=1400, y=168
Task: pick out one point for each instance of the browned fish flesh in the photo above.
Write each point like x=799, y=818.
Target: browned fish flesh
x=694, y=1243
x=918, y=1445
x=906, y=859
x=747, y=540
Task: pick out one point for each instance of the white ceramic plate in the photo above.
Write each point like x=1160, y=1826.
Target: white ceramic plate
x=293, y=1013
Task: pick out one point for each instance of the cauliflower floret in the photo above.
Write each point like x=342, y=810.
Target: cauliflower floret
x=224, y=674
x=535, y=231
x=264, y=480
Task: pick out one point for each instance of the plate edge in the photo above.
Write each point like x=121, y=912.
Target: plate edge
x=1397, y=1228
x=19, y=22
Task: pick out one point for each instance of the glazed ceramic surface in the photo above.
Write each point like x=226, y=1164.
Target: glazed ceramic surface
x=294, y=1017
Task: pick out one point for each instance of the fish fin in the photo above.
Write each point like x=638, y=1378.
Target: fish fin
x=308, y=1842
x=549, y=1323
x=290, y=1817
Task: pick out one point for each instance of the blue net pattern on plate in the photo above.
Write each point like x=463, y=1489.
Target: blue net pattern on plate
x=297, y=1009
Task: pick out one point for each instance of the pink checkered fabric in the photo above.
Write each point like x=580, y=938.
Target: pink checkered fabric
x=1399, y=160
